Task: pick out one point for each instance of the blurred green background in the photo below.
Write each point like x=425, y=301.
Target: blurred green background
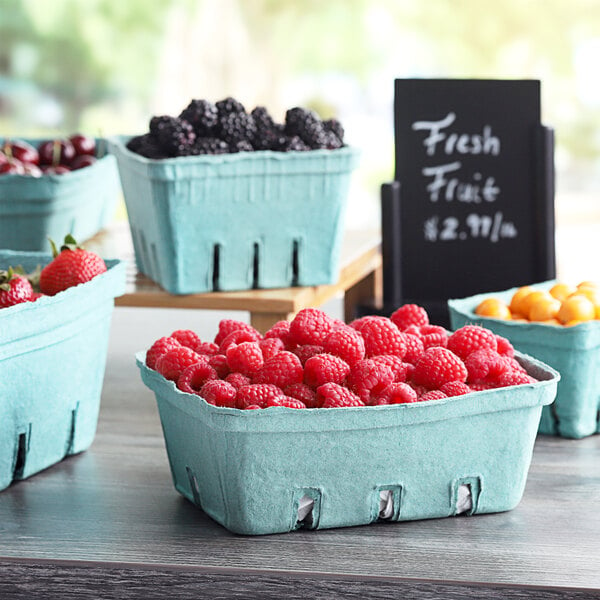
x=105, y=66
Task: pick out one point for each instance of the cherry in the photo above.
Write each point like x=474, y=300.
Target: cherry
x=32, y=170
x=83, y=145
x=81, y=161
x=22, y=151
x=57, y=170
x=3, y=158
x=12, y=167
x=56, y=152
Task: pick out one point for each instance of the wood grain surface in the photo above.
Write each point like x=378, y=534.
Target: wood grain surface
x=111, y=515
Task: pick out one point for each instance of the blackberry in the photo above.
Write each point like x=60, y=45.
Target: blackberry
x=203, y=116
x=175, y=136
x=146, y=145
x=336, y=127
x=236, y=127
x=293, y=143
x=269, y=135
x=242, y=146
x=332, y=141
x=209, y=145
x=229, y=105
x=307, y=125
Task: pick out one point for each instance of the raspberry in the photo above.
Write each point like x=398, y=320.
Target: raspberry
x=207, y=348
x=409, y=314
x=399, y=368
x=270, y=347
x=237, y=337
x=433, y=335
x=515, y=365
x=286, y=401
x=302, y=392
x=381, y=336
x=186, y=337
x=325, y=368
x=513, y=378
x=432, y=395
x=245, y=358
x=397, y=393
x=438, y=366
x=469, y=338
x=369, y=378
x=226, y=326
x=347, y=343
x=281, y=370
x=219, y=393
x=505, y=348
x=310, y=326
x=413, y=330
x=455, y=388
x=307, y=351
x=419, y=389
x=237, y=380
x=332, y=395
x=160, y=347
x=414, y=347
x=252, y=407
x=219, y=363
x=171, y=364
x=280, y=330
x=485, y=363
x=192, y=378
x=258, y=394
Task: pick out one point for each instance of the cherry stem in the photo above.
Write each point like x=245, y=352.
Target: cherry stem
x=56, y=153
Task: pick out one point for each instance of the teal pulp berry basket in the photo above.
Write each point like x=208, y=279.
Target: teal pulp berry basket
x=81, y=202
x=237, y=221
x=573, y=351
x=256, y=471
x=52, y=359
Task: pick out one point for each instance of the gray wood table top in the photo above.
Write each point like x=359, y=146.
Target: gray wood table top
x=108, y=523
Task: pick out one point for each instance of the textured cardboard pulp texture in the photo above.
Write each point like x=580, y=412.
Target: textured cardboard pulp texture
x=248, y=470
x=52, y=359
x=573, y=351
x=237, y=221
x=82, y=202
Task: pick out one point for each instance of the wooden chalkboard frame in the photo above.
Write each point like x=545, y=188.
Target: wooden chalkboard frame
x=542, y=258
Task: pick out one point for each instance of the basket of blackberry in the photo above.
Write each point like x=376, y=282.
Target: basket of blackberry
x=220, y=198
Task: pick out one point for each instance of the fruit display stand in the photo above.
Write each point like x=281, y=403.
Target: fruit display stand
x=80, y=202
x=573, y=351
x=107, y=523
x=359, y=282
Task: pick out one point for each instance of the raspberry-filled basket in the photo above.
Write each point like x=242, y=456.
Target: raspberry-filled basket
x=574, y=351
x=247, y=207
x=319, y=424
x=52, y=358
x=81, y=202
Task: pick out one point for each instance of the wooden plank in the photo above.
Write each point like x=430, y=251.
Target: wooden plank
x=116, y=503
x=360, y=254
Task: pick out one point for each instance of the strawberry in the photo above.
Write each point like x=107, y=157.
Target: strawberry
x=71, y=266
x=14, y=289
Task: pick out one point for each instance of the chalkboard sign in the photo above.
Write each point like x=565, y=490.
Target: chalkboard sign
x=472, y=208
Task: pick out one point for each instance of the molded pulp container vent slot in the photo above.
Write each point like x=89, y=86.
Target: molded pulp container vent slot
x=255, y=266
x=216, y=259
x=295, y=263
x=465, y=495
x=307, y=509
x=20, y=457
x=193, y=486
x=71, y=438
x=387, y=500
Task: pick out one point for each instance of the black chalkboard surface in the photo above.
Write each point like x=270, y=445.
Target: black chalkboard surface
x=472, y=207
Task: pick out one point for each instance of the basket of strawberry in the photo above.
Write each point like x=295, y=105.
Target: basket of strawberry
x=323, y=424
x=48, y=187
x=54, y=321
x=222, y=199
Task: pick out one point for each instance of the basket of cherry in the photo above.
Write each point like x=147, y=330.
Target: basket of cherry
x=55, y=314
x=320, y=424
x=48, y=187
